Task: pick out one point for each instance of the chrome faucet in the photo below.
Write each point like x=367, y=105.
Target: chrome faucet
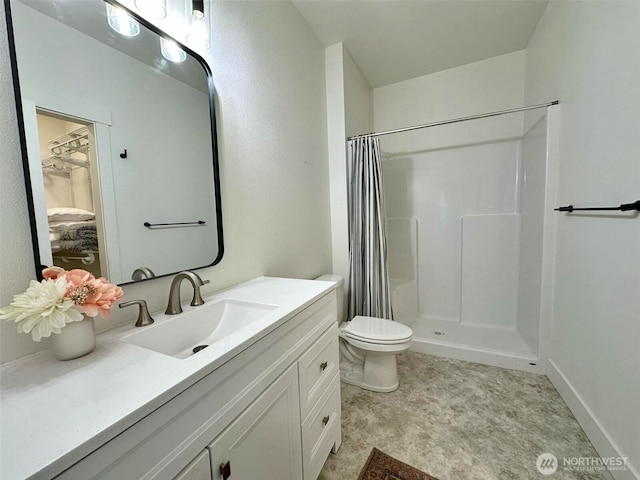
x=174, y=307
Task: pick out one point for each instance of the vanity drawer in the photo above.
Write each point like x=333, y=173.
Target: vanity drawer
x=198, y=469
x=321, y=430
x=316, y=368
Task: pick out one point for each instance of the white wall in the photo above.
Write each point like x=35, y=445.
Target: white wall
x=348, y=114
x=586, y=55
x=269, y=74
x=357, y=98
x=336, y=138
x=16, y=258
x=479, y=87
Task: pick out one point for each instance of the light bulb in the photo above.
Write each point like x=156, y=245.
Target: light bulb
x=152, y=8
x=198, y=36
x=171, y=51
x=121, y=21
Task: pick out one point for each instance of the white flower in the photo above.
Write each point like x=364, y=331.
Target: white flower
x=42, y=309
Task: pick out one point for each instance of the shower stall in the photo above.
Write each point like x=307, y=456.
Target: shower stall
x=469, y=239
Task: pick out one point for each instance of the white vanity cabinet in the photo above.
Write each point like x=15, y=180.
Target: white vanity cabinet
x=272, y=412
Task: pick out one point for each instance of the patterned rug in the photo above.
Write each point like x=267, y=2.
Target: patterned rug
x=381, y=466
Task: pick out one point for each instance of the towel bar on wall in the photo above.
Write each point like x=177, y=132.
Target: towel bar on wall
x=625, y=207
x=174, y=224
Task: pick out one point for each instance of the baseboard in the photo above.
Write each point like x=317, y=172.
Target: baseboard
x=601, y=440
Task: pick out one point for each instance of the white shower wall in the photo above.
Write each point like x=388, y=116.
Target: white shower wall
x=439, y=188
x=533, y=179
x=479, y=212
x=489, y=264
x=402, y=257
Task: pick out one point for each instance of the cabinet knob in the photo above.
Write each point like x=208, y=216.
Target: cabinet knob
x=323, y=366
x=325, y=420
x=225, y=470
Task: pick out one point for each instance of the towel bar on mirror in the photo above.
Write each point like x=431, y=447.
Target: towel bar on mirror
x=174, y=224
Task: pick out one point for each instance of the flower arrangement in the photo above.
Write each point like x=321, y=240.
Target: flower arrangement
x=61, y=297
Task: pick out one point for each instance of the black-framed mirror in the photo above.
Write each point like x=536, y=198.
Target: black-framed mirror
x=119, y=142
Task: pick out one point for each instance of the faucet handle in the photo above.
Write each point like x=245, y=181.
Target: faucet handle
x=144, y=318
x=197, y=297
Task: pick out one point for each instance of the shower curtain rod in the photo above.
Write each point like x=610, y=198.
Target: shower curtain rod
x=456, y=120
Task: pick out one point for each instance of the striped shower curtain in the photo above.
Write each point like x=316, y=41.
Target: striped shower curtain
x=369, y=293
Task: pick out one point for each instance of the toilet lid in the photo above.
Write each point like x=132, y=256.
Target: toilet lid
x=377, y=330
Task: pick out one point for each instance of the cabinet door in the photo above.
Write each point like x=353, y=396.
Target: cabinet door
x=264, y=442
x=198, y=469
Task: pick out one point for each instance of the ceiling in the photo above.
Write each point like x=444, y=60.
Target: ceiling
x=395, y=40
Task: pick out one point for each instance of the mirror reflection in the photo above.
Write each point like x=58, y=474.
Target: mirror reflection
x=120, y=144
x=66, y=173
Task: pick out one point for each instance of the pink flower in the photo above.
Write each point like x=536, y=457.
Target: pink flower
x=52, y=273
x=102, y=297
x=78, y=277
x=91, y=295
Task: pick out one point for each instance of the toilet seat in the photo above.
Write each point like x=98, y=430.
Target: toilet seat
x=373, y=342
x=376, y=331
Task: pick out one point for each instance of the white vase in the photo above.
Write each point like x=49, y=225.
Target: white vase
x=75, y=340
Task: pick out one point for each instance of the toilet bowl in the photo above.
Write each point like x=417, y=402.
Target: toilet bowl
x=368, y=347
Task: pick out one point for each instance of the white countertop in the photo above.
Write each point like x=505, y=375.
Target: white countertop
x=54, y=413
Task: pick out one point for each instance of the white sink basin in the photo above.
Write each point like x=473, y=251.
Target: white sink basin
x=178, y=335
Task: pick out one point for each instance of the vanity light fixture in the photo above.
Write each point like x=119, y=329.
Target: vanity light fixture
x=171, y=51
x=121, y=21
x=197, y=7
x=198, y=36
x=152, y=8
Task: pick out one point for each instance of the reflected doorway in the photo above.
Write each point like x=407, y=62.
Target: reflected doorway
x=71, y=192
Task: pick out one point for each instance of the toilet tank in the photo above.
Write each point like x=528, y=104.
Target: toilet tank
x=339, y=291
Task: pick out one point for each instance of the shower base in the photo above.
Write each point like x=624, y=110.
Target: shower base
x=490, y=346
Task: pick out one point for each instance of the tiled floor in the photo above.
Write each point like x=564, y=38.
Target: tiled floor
x=460, y=421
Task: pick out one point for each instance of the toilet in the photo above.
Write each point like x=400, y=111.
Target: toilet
x=368, y=347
